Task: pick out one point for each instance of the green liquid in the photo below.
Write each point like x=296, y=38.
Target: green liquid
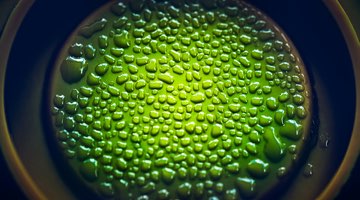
x=195, y=100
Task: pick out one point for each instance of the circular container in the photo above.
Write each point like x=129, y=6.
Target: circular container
x=321, y=31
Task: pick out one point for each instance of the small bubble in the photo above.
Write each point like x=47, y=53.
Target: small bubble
x=308, y=170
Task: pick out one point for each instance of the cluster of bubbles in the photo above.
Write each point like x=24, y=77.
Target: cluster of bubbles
x=180, y=100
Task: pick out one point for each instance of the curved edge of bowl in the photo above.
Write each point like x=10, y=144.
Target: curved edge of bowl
x=15, y=164
x=346, y=25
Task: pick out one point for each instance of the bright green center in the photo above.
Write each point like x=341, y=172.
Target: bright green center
x=183, y=100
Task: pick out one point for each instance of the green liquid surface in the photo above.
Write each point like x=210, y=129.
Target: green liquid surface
x=180, y=99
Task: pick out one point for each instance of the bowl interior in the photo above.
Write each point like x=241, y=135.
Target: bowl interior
x=49, y=23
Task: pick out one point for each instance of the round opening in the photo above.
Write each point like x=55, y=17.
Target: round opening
x=180, y=100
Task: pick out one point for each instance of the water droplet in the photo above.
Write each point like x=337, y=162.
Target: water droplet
x=273, y=147
x=73, y=69
x=89, y=169
x=308, y=170
x=88, y=31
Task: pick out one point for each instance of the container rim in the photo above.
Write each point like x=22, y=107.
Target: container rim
x=346, y=25
x=7, y=146
x=33, y=191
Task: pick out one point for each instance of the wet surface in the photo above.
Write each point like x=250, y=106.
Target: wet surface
x=207, y=85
